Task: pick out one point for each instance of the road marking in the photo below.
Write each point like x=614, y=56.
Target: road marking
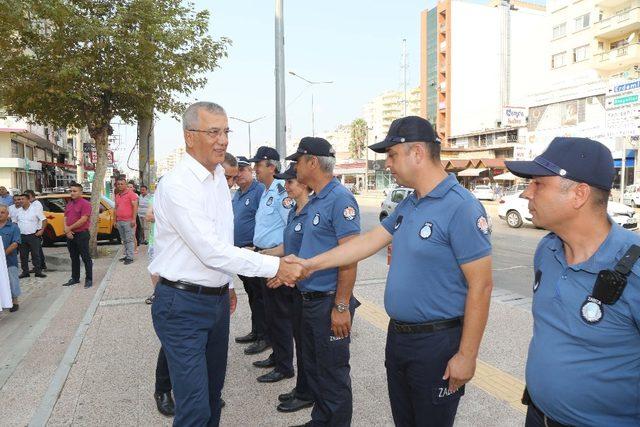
x=121, y=301
x=492, y=380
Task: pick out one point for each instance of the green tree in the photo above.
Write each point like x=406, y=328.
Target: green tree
x=358, y=138
x=81, y=63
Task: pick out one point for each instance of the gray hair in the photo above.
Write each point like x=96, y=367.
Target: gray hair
x=230, y=159
x=327, y=163
x=274, y=163
x=2, y=205
x=190, y=115
x=599, y=197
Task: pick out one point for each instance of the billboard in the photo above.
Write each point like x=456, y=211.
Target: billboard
x=514, y=117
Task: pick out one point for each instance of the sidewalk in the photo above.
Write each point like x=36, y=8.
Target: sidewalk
x=111, y=378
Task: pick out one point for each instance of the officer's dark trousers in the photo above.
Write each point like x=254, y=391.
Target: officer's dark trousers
x=30, y=243
x=326, y=362
x=79, y=247
x=194, y=332
x=415, y=366
x=303, y=392
x=252, y=286
x=279, y=304
x=533, y=419
x=163, y=379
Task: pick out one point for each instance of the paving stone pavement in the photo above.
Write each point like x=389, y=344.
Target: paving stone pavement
x=111, y=378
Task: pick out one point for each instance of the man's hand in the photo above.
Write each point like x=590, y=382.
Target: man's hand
x=460, y=370
x=233, y=301
x=67, y=230
x=39, y=232
x=340, y=323
x=288, y=273
x=69, y=235
x=133, y=223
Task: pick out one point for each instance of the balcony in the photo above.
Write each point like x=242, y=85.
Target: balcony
x=443, y=46
x=442, y=105
x=618, y=26
x=618, y=58
x=609, y=3
x=443, y=28
x=443, y=86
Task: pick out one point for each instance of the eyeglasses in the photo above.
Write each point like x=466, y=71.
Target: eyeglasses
x=213, y=133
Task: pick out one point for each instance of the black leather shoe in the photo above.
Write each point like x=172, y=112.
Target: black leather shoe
x=123, y=258
x=23, y=275
x=250, y=337
x=273, y=377
x=222, y=403
x=71, y=282
x=294, y=405
x=266, y=363
x=15, y=308
x=128, y=261
x=257, y=347
x=42, y=275
x=307, y=424
x=287, y=396
x=88, y=283
x=165, y=404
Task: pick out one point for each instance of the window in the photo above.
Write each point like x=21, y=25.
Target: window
x=582, y=21
x=397, y=196
x=17, y=150
x=559, y=31
x=581, y=53
x=557, y=60
x=55, y=205
x=28, y=152
x=619, y=43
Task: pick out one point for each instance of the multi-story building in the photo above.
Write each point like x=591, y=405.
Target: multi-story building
x=385, y=108
x=476, y=61
x=170, y=161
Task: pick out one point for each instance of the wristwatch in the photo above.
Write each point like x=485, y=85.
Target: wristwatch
x=341, y=307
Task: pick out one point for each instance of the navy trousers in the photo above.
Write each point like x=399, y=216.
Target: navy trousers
x=252, y=286
x=302, y=384
x=279, y=303
x=415, y=365
x=326, y=363
x=194, y=332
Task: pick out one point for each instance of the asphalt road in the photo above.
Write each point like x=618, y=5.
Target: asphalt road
x=513, y=251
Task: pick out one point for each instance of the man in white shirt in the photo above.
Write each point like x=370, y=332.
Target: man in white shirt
x=13, y=208
x=195, y=258
x=37, y=205
x=31, y=222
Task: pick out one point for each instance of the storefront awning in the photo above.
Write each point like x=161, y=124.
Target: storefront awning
x=617, y=163
x=505, y=177
x=472, y=172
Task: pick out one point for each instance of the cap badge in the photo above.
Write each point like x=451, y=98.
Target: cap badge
x=402, y=139
x=316, y=219
x=591, y=310
x=349, y=213
x=246, y=202
x=563, y=172
x=270, y=201
x=425, y=231
x=298, y=227
x=483, y=225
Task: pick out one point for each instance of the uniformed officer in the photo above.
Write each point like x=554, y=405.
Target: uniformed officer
x=583, y=367
x=300, y=397
x=440, y=274
x=333, y=218
x=245, y=204
x=271, y=218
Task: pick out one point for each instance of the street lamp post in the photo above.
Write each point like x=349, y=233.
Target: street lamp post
x=248, y=122
x=310, y=82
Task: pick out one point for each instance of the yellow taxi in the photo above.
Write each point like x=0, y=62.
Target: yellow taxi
x=53, y=206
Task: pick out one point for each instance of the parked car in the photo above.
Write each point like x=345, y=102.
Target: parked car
x=53, y=206
x=632, y=196
x=394, y=196
x=515, y=210
x=483, y=192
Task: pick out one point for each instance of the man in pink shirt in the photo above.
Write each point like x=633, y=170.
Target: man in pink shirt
x=76, y=227
x=126, y=212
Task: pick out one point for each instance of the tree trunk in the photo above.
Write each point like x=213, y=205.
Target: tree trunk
x=146, y=158
x=101, y=136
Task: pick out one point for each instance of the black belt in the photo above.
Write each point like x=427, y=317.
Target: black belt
x=196, y=289
x=548, y=422
x=417, y=328
x=308, y=296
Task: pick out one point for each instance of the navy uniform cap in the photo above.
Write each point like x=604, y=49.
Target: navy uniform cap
x=243, y=161
x=577, y=159
x=313, y=146
x=290, y=173
x=265, y=153
x=407, y=129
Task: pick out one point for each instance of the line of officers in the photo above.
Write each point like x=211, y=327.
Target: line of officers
x=583, y=366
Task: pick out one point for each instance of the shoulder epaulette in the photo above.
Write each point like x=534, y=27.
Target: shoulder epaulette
x=280, y=188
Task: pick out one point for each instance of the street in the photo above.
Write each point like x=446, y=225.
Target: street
x=87, y=357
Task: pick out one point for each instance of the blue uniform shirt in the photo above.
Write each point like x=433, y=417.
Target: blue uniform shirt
x=294, y=231
x=272, y=215
x=10, y=234
x=432, y=238
x=331, y=215
x=6, y=200
x=582, y=373
x=245, y=206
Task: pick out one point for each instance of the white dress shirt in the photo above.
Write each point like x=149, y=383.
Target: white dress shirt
x=12, y=213
x=29, y=220
x=194, y=230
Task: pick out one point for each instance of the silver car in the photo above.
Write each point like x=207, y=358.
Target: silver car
x=390, y=202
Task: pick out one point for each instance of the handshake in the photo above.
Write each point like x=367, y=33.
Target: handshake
x=291, y=270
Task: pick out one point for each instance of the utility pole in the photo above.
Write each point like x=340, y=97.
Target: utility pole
x=79, y=157
x=281, y=124
x=146, y=157
x=404, y=76
x=504, y=11
x=311, y=83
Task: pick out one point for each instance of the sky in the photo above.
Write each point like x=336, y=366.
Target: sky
x=357, y=44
